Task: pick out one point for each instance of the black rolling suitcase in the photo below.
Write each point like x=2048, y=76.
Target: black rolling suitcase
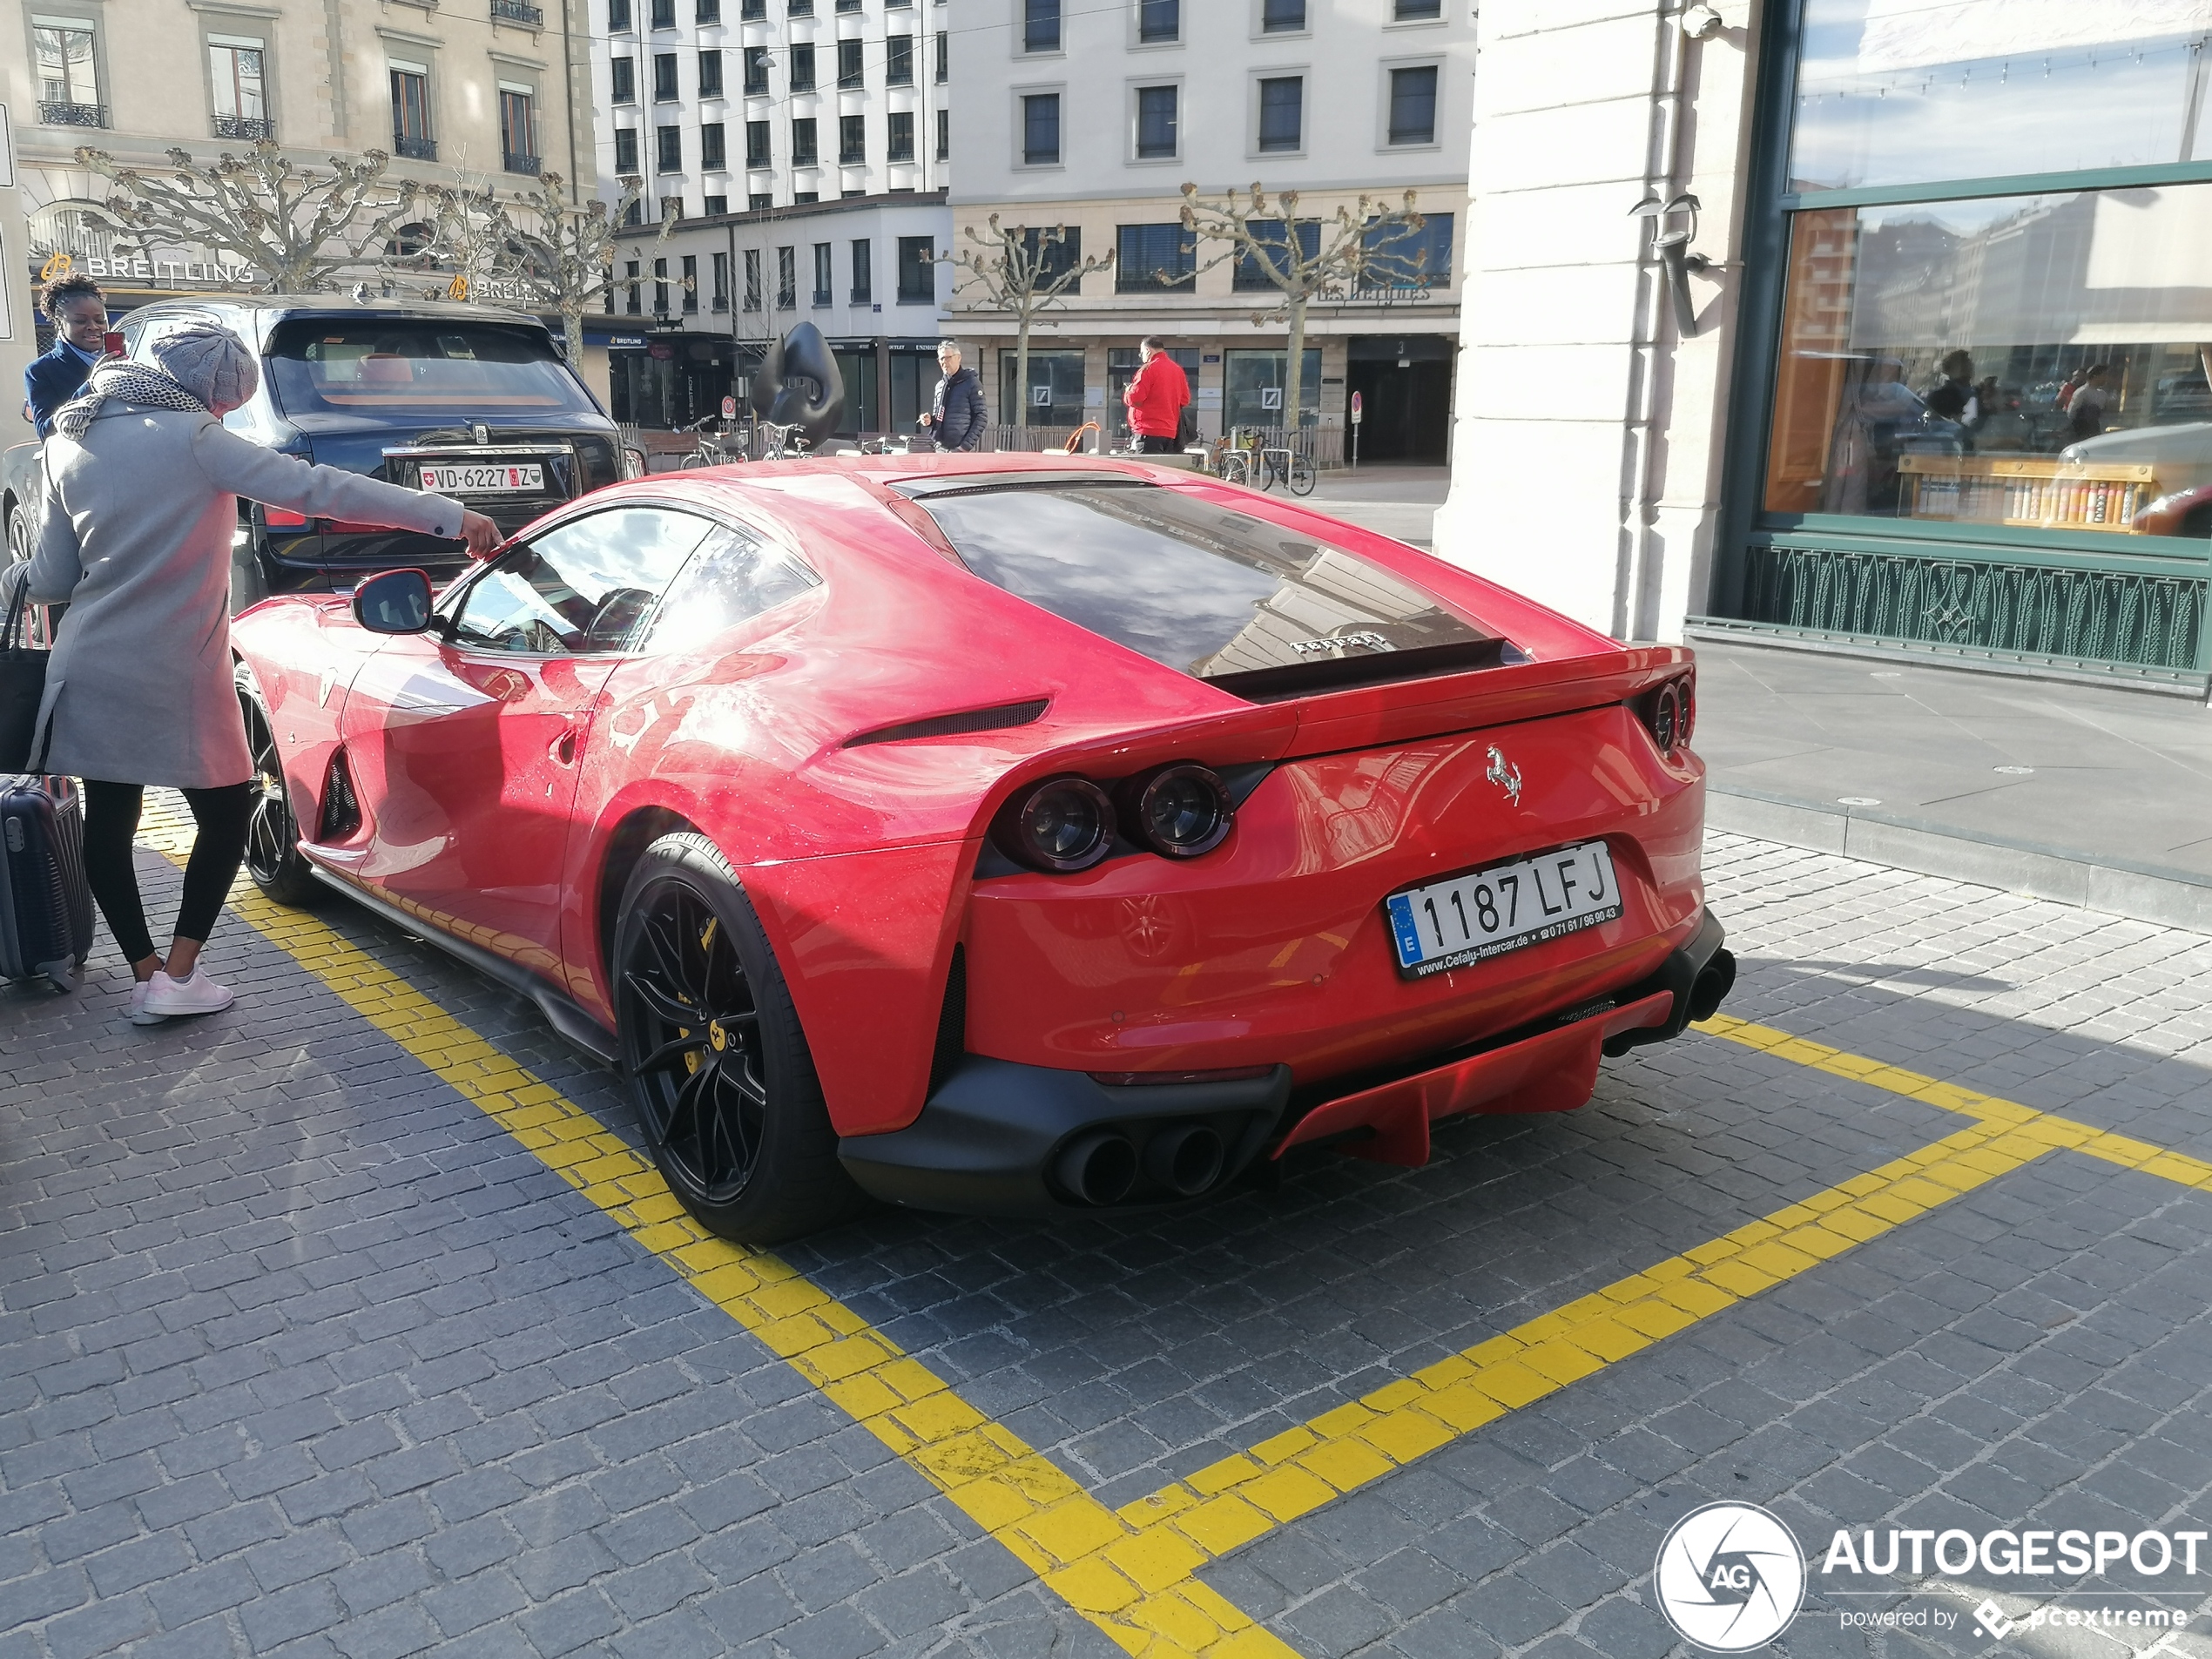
x=45, y=909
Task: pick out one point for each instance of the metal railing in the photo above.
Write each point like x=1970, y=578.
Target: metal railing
x=518, y=12
x=255, y=127
x=72, y=115
x=414, y=149
x=1323, y=446
x=516, y=162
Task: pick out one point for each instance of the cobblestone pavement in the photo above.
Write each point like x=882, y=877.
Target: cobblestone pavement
x=300, y=1353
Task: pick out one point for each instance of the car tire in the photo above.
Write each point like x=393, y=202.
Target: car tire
x=272, y=855
x=718, y=1068
x=38, y=620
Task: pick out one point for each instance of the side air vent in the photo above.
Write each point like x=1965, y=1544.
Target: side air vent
x=951, y=726
x=342, y=812
x=951, y=1022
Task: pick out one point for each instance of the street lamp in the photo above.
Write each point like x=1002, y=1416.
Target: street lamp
x=1673, y=248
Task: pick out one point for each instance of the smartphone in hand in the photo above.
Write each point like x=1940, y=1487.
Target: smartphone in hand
x=112, y=344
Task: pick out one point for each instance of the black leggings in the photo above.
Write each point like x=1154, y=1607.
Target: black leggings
x=110, y=825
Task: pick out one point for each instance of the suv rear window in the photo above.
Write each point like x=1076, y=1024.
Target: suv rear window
x=339, y=364
x=1257, y=609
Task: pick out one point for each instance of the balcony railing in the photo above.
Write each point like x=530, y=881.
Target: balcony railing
x=518, y=12
x=245, y=126
x=516, y=162
x=821, y=297
x=72, y=115
x=414, y=149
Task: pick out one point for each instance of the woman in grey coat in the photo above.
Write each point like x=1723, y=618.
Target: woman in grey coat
x=142, y=483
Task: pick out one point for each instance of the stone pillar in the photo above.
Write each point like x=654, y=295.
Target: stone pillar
x=1587, y=441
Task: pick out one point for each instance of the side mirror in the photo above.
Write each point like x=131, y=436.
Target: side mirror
x=393, y=602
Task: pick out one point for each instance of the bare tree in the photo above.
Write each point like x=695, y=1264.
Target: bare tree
x=1352, y=249
x=471, y=242
x=1023, y=271
x=297, y=226
x=568, y=262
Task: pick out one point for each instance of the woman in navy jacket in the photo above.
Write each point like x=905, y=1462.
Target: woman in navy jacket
x=74, y=304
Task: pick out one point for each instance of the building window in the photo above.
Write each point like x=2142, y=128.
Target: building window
x=756, y=144
x=802, y=198
x=1402, y=257
x=1282, y=17
x=756, y=72
x=629, y=274
x=802, y=8
x=411, y=134
x=1420, y=11
x=1413, y=106
x=1251, y=388
x=803, y=151
x=1039, y=25
x=899, y=61
x=715, y=207
x=753, y=10
x=1248, y=275
x=759, y=201
x=863, y=271
x=691, y=282
x=518, y=131
x=660, y=288
x=848, y=5
x=752, y=277
x=917, y=270
x=711, y=72
x=1159, y=22
x=668, y=149
x=664, y=77
x=802, y=68
x=822, y=273
x=619, y=21
x=848, y=64
x=787, y=278
x=234, y=66
x=663, y=13
x=671, y=207
x=900, y=146
x=1155, y=259
x=1055, y=390
x=944, y=58
x=1155, y=123
x=944, y=135
x=625, y=76
x=713, y=158
x=626, y=149
x=852, y=141
x=1282, y=113
x=721, y=299
x=708, y=11
x=1041, y=130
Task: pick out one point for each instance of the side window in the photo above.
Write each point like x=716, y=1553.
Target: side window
x=734, y=575
x=581, y=588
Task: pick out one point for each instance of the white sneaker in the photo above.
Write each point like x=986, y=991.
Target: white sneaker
x=167, y=997
x=139, y=1014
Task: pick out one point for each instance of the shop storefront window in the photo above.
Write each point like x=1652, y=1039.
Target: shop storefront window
x=1252, y=388
x=1902, y=92
x=2032, y=361
x=1056, y=395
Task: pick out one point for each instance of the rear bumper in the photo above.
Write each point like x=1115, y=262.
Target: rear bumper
x=1001, y=1138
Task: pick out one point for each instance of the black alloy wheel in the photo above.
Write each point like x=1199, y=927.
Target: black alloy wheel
x=272, y=855
x=718, y=1068
x=39, y=621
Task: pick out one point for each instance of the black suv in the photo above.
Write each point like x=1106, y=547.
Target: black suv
x=470, y=400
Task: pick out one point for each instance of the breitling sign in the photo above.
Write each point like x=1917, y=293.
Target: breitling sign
x=166, y=274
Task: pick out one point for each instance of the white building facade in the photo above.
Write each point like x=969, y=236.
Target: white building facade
x=1093, y=116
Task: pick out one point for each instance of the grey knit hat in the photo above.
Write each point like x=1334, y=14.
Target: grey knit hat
x=211, y=363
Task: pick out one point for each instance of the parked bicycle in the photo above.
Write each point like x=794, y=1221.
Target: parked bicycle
x=710, y=449
x=785, y=443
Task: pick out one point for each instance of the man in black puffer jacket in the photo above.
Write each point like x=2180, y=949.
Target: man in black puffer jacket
x=956, y=415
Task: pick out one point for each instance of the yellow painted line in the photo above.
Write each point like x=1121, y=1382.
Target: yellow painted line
x=1132, y=1572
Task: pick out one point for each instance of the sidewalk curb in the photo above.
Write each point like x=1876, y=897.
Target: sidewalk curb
x=2144, y=893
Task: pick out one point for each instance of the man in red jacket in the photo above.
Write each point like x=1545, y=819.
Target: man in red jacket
x=1156, y=399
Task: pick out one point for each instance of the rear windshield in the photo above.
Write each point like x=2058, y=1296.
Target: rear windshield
x=1257, y=609
x=338, y=365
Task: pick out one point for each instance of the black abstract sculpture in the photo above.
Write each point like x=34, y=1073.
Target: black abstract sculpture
x=798, y=384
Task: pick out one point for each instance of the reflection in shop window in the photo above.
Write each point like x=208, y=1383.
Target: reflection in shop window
x=1252, y=388
x=1901, y=91
x=1055, y=392
x=2037, y=361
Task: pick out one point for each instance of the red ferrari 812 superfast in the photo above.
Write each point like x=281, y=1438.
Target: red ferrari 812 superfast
x=1003, y=834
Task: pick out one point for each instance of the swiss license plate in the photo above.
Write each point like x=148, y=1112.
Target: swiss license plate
x=1449, y=924
x=484, y=480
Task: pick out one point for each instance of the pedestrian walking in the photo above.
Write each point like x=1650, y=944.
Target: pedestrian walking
x=1157, y=398
x=957, y=413
x=141, y=492
x=74, y=304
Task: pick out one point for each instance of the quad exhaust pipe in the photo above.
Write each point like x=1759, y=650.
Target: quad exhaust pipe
x=1098, y=1168
x=1181, y=1159
x=1711, y=987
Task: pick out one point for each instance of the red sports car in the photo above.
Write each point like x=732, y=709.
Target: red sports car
x=1001, y=834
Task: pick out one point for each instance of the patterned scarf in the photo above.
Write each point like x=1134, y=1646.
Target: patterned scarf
x=127, y=383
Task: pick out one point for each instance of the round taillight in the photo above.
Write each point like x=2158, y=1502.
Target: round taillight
x=1666, y=719
x=1180, y=811
x=1064, y=825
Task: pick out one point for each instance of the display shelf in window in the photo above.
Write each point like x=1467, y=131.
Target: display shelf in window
x=2027, y=490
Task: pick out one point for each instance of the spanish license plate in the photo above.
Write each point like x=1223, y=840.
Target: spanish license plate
x=484, y=480
x=1471, y=918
